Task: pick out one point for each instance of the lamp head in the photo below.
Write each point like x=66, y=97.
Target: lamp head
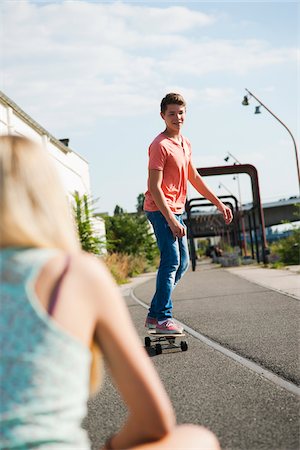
x=245, y=101
x=257, y=110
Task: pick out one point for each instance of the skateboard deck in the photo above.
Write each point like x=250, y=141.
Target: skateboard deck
x=172, y=335
x=164, y=341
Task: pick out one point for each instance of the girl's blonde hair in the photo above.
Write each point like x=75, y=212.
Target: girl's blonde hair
x=34, y=208
x=33, y=204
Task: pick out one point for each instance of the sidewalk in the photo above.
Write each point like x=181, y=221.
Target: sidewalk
x=286, y=281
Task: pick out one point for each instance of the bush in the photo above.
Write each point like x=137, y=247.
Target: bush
x=124, y=266
x=118, y=266
x=131, y=245
x=202, y=245
x=287, y=251
x=131, y=234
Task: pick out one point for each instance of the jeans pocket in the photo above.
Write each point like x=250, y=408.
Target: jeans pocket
x=161, y=229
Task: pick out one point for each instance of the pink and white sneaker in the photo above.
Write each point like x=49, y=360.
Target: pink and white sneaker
x=151, y=323
x=168, y=327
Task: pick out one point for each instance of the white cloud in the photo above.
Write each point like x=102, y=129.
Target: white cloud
x=87, y=60
x=174, y=19
x=236, y=57
x=216, y=95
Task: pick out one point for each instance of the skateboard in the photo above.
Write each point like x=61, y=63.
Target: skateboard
x=164, y=341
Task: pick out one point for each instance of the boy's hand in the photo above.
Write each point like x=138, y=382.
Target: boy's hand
x=177, y=229
x=227, y=213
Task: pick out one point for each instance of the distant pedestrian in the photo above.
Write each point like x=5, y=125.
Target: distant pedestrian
x=56, y=303
x=170, y=169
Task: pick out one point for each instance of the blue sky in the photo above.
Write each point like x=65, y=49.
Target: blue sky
x=95, y=72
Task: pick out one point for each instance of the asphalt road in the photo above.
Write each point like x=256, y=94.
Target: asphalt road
x=245, y=410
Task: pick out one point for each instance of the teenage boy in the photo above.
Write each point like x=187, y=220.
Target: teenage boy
x=170, y=167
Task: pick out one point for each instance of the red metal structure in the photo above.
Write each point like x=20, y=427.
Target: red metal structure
x=257, y=210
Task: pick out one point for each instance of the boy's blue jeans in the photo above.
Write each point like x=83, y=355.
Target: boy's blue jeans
x=174, y=262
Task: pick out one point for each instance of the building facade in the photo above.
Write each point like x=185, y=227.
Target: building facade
x=72, y=167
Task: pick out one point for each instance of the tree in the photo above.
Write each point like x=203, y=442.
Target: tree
x=140, y=203
x=118, y=210
x=83, y=211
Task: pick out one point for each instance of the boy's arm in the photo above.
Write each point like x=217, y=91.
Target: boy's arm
x=197, y=181
x=154, y=185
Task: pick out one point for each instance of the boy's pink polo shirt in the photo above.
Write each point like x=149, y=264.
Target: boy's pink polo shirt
x=173, y=159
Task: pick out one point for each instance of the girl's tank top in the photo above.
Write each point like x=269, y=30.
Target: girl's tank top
x=44, y=371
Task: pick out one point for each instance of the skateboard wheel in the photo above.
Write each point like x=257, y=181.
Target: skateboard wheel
x=147, y=342
x=158, y=349
x=183, y=346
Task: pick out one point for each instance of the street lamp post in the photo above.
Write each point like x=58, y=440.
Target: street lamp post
x=223, y=185
x=232, y=156
x=240, y=202
x=237, y=208
x=245, y=102
x=237, y=177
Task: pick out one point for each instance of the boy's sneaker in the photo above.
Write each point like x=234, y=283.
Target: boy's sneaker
x=151, y=323
x=168, y=327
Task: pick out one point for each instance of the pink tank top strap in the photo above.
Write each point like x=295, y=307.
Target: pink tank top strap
x=55, y=292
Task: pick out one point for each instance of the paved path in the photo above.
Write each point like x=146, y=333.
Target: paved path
x=244, y=408
x=286, y=281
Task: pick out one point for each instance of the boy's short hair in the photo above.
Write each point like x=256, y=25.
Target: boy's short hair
x=172, y=99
